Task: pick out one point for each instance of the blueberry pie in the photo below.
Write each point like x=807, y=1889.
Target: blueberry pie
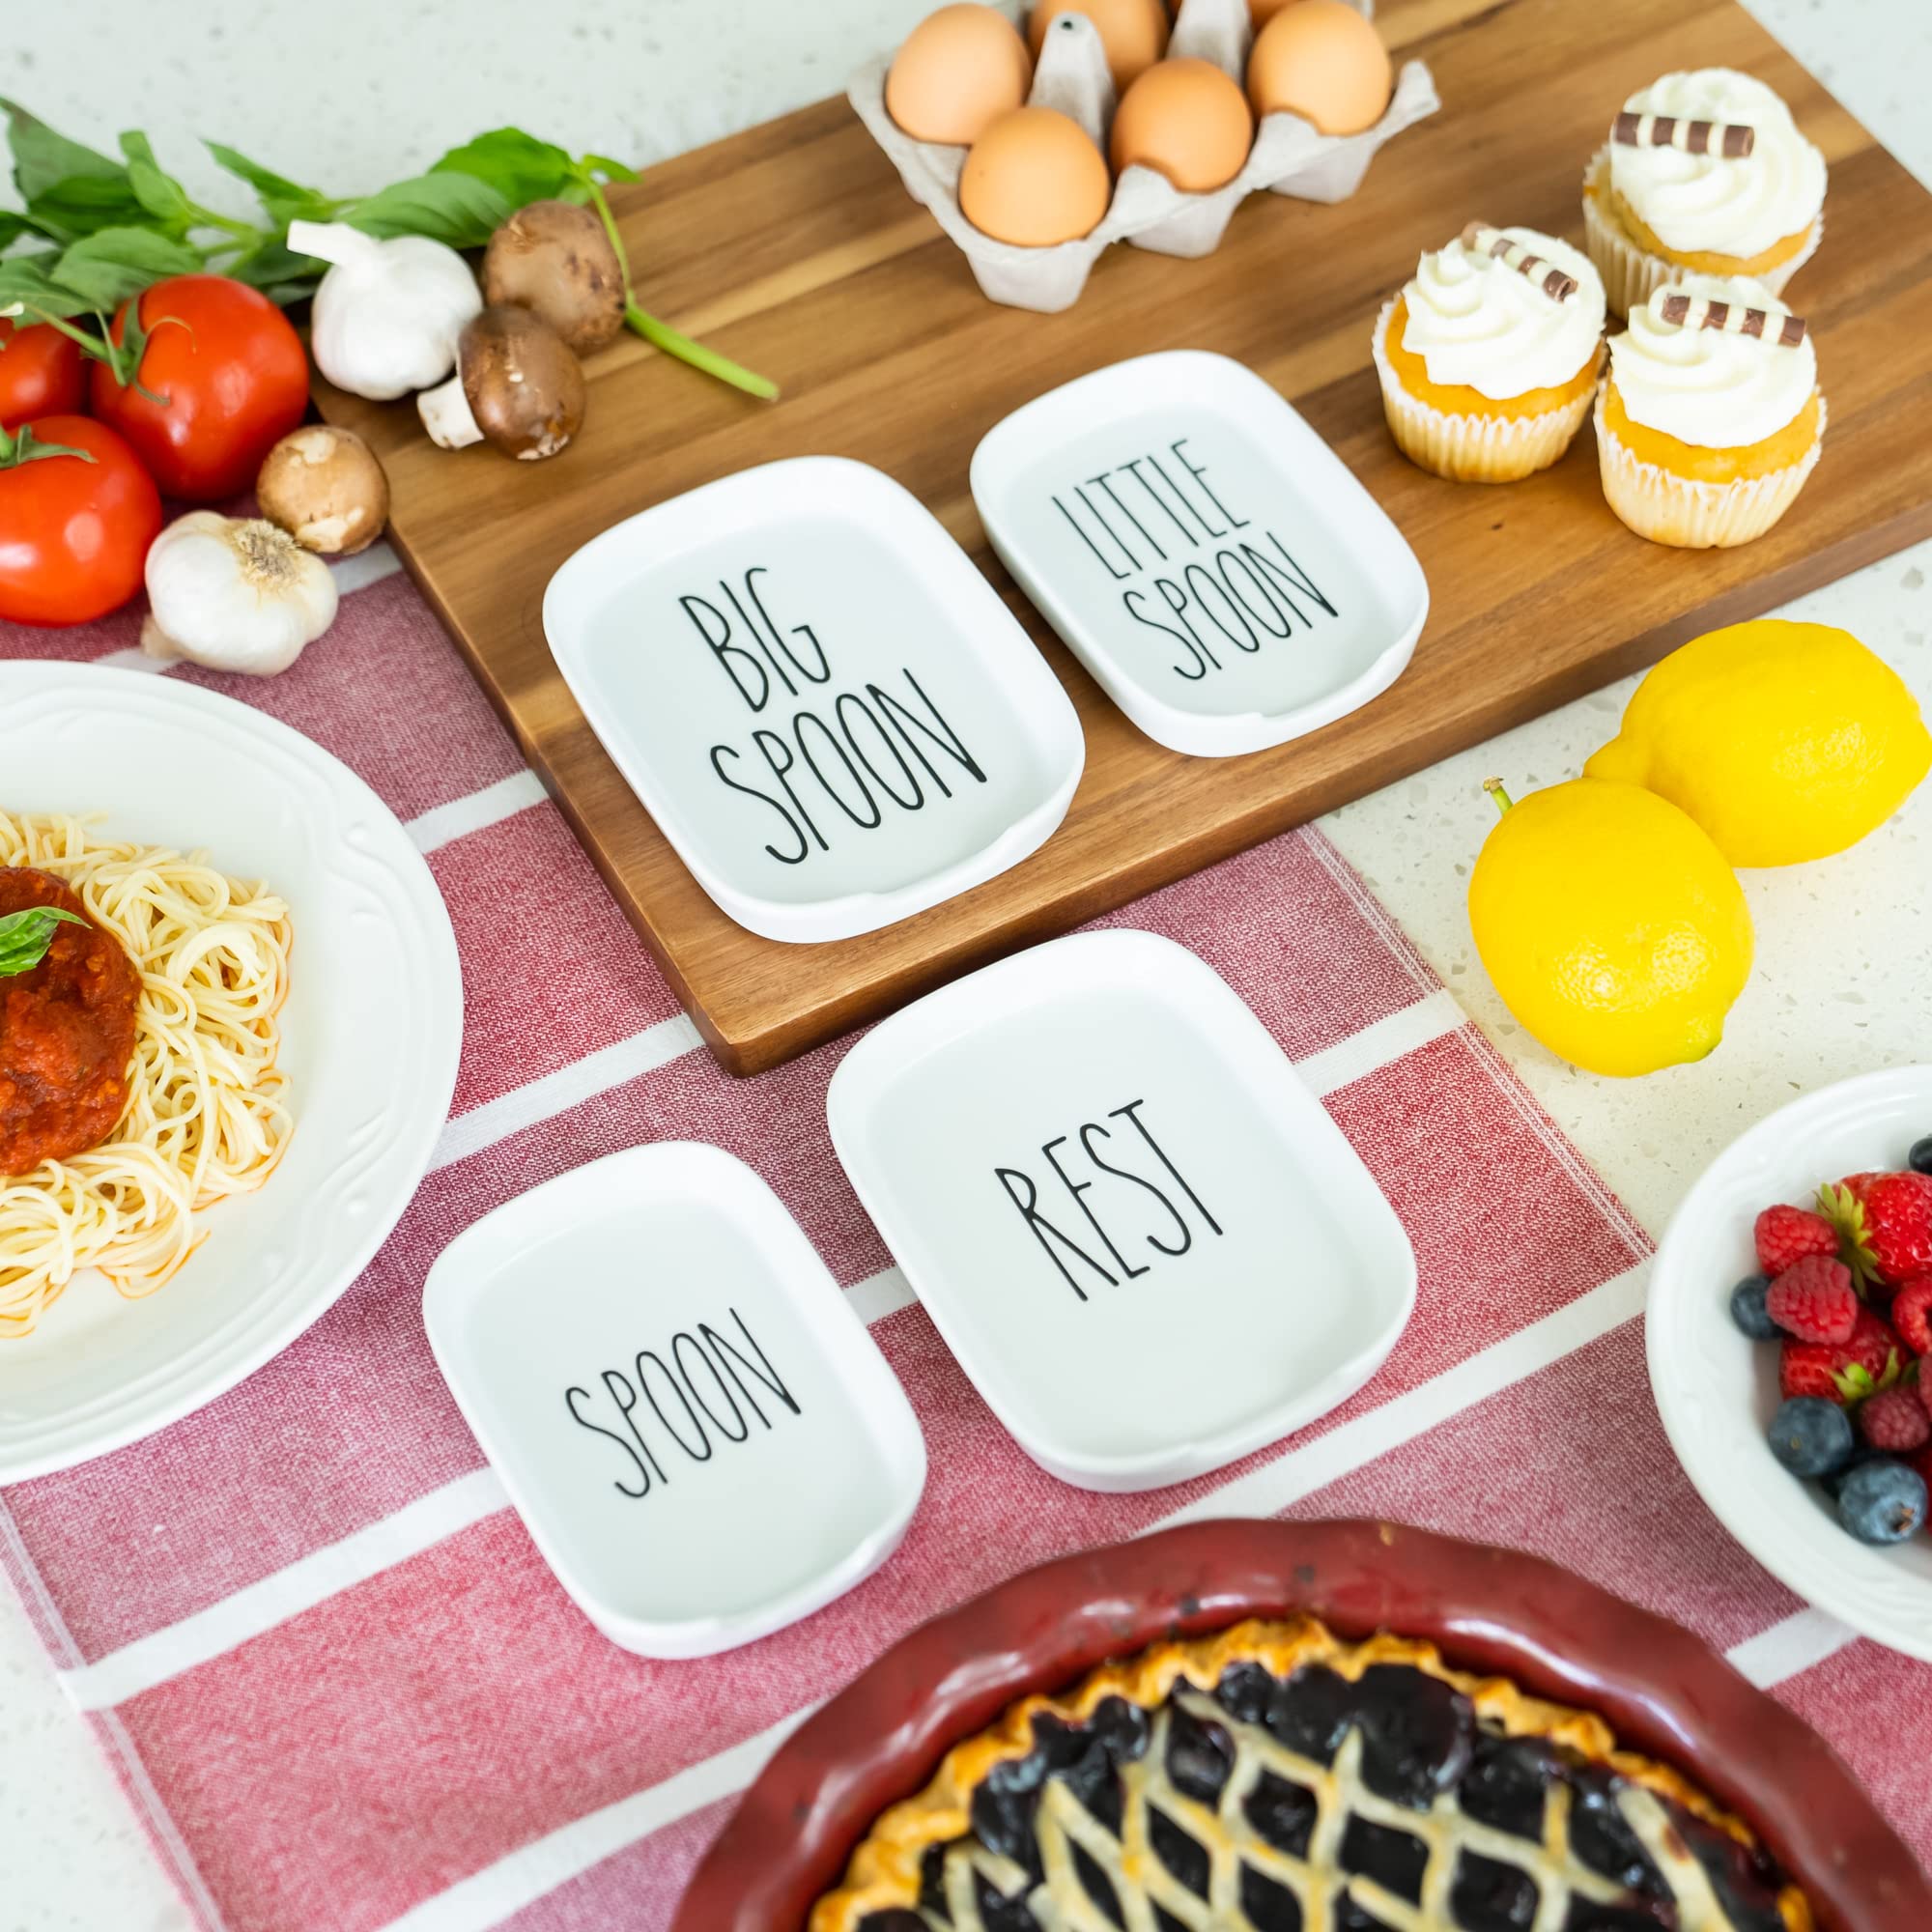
x=1276, y=1779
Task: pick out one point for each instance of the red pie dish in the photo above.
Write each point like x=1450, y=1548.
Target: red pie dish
x=1257, y=1727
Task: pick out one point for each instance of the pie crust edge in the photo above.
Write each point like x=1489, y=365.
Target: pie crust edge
x=884, y=1871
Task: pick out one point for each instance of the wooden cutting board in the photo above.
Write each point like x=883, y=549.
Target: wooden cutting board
x=795, y=248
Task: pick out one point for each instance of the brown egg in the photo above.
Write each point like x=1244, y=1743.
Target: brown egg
x=1187, y=120
x=1262, y=12
x=959, y=70
x=1133, y=32
x=1322, y=60
x=1035, y=179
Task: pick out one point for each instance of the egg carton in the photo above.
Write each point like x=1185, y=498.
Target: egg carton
x=1290, y=156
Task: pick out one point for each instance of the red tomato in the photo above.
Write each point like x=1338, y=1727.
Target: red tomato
x=39, y=372
x=234, y=376
x=73, y=535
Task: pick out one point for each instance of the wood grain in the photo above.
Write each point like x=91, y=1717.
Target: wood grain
x=794, y=249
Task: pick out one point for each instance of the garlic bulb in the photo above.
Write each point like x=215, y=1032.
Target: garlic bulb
x=234, y=594
x=387, y=314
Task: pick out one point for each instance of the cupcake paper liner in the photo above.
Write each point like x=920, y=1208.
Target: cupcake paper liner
x=1630, y=274
x=1690, y=515
x=1472, y=449
x=1289, y=156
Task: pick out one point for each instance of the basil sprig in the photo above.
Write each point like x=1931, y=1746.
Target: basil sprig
x=93, y=230
x=26, y=935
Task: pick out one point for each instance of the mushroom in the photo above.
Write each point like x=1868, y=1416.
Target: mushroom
x=516, y=385
x=554, y=259
x=324, y=487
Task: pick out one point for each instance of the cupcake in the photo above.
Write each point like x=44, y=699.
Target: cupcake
x=1705, y=172
x=1712, y=417
x=1488, y=355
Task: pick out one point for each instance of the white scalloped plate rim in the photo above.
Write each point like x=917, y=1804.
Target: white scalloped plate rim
x=1715, y=1390
x=373, y=1037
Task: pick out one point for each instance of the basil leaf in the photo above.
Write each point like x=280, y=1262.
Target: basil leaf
x=452, y=207
x=520, y=167
x=285, y=200
x=159, y=192
x=26, y=935
x=80, y=203
x=14, y=224
x=42, y=158
x=616, y=171
x=278, y=272
x=109, y=265
x=24, y=279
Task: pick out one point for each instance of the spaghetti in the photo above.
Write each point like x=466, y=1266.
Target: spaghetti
x=206, y=1117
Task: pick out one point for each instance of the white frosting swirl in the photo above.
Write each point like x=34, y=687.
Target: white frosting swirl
x=1703, y=385
x=1693, y=203
x=1478, y=323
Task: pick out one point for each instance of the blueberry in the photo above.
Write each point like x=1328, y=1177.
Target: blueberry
x=1881, y=1501
x=1810, y=1436
x=1919, y=1159
x=1748, y=1308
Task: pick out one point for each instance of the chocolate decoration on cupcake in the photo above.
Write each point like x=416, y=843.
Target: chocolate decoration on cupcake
x=1732, y=319
x=1732, y=139
x=1494, y=242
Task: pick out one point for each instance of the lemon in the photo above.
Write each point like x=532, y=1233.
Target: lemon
x=1784, y=742
x=1611, y=925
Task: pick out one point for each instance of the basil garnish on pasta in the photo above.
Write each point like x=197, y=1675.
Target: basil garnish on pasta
x=26, y=935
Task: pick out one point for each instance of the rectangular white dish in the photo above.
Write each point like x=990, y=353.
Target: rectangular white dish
x=829, y=712
x=697, y=1431
x=1207, y=557
x=1146, y=1242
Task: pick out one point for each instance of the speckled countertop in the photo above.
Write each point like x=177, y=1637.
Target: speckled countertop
x=1843, y=981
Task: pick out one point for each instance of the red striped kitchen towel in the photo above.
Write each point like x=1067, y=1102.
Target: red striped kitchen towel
x=331, y=1671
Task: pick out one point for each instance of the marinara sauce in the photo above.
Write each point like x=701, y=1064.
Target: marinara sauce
x=66, y=1034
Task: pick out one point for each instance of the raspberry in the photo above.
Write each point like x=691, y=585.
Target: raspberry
x=1895, y=1421
x=1813, y=1300
x=1912, y=1314
x=1787, y=1234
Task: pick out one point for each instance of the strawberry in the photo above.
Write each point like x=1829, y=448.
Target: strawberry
x=1788, y=1235
x=1895, y=1421
x=1812, y=1299
x=1884, y=1223
x=1844, y=1372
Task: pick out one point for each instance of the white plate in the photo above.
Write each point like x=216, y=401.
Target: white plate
x=371, y=1036
x=695, y=1426
x=1203, y=553
x=1206, y=1264
x=1717, y=1390
x=829, y=712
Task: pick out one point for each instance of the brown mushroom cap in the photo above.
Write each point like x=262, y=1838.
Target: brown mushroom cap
x=325, y=489
x=524, y=389
x=554, y=259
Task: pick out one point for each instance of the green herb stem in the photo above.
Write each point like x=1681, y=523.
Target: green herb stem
x=245, y=233
x=673, y=342
x=661, y=334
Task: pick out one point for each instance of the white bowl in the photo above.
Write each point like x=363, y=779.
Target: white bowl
x=1717, y=1390
x=676, y=1292
x=370, y=1039
x=1218, y=569
x=1146, y=1242
x=830, y=713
